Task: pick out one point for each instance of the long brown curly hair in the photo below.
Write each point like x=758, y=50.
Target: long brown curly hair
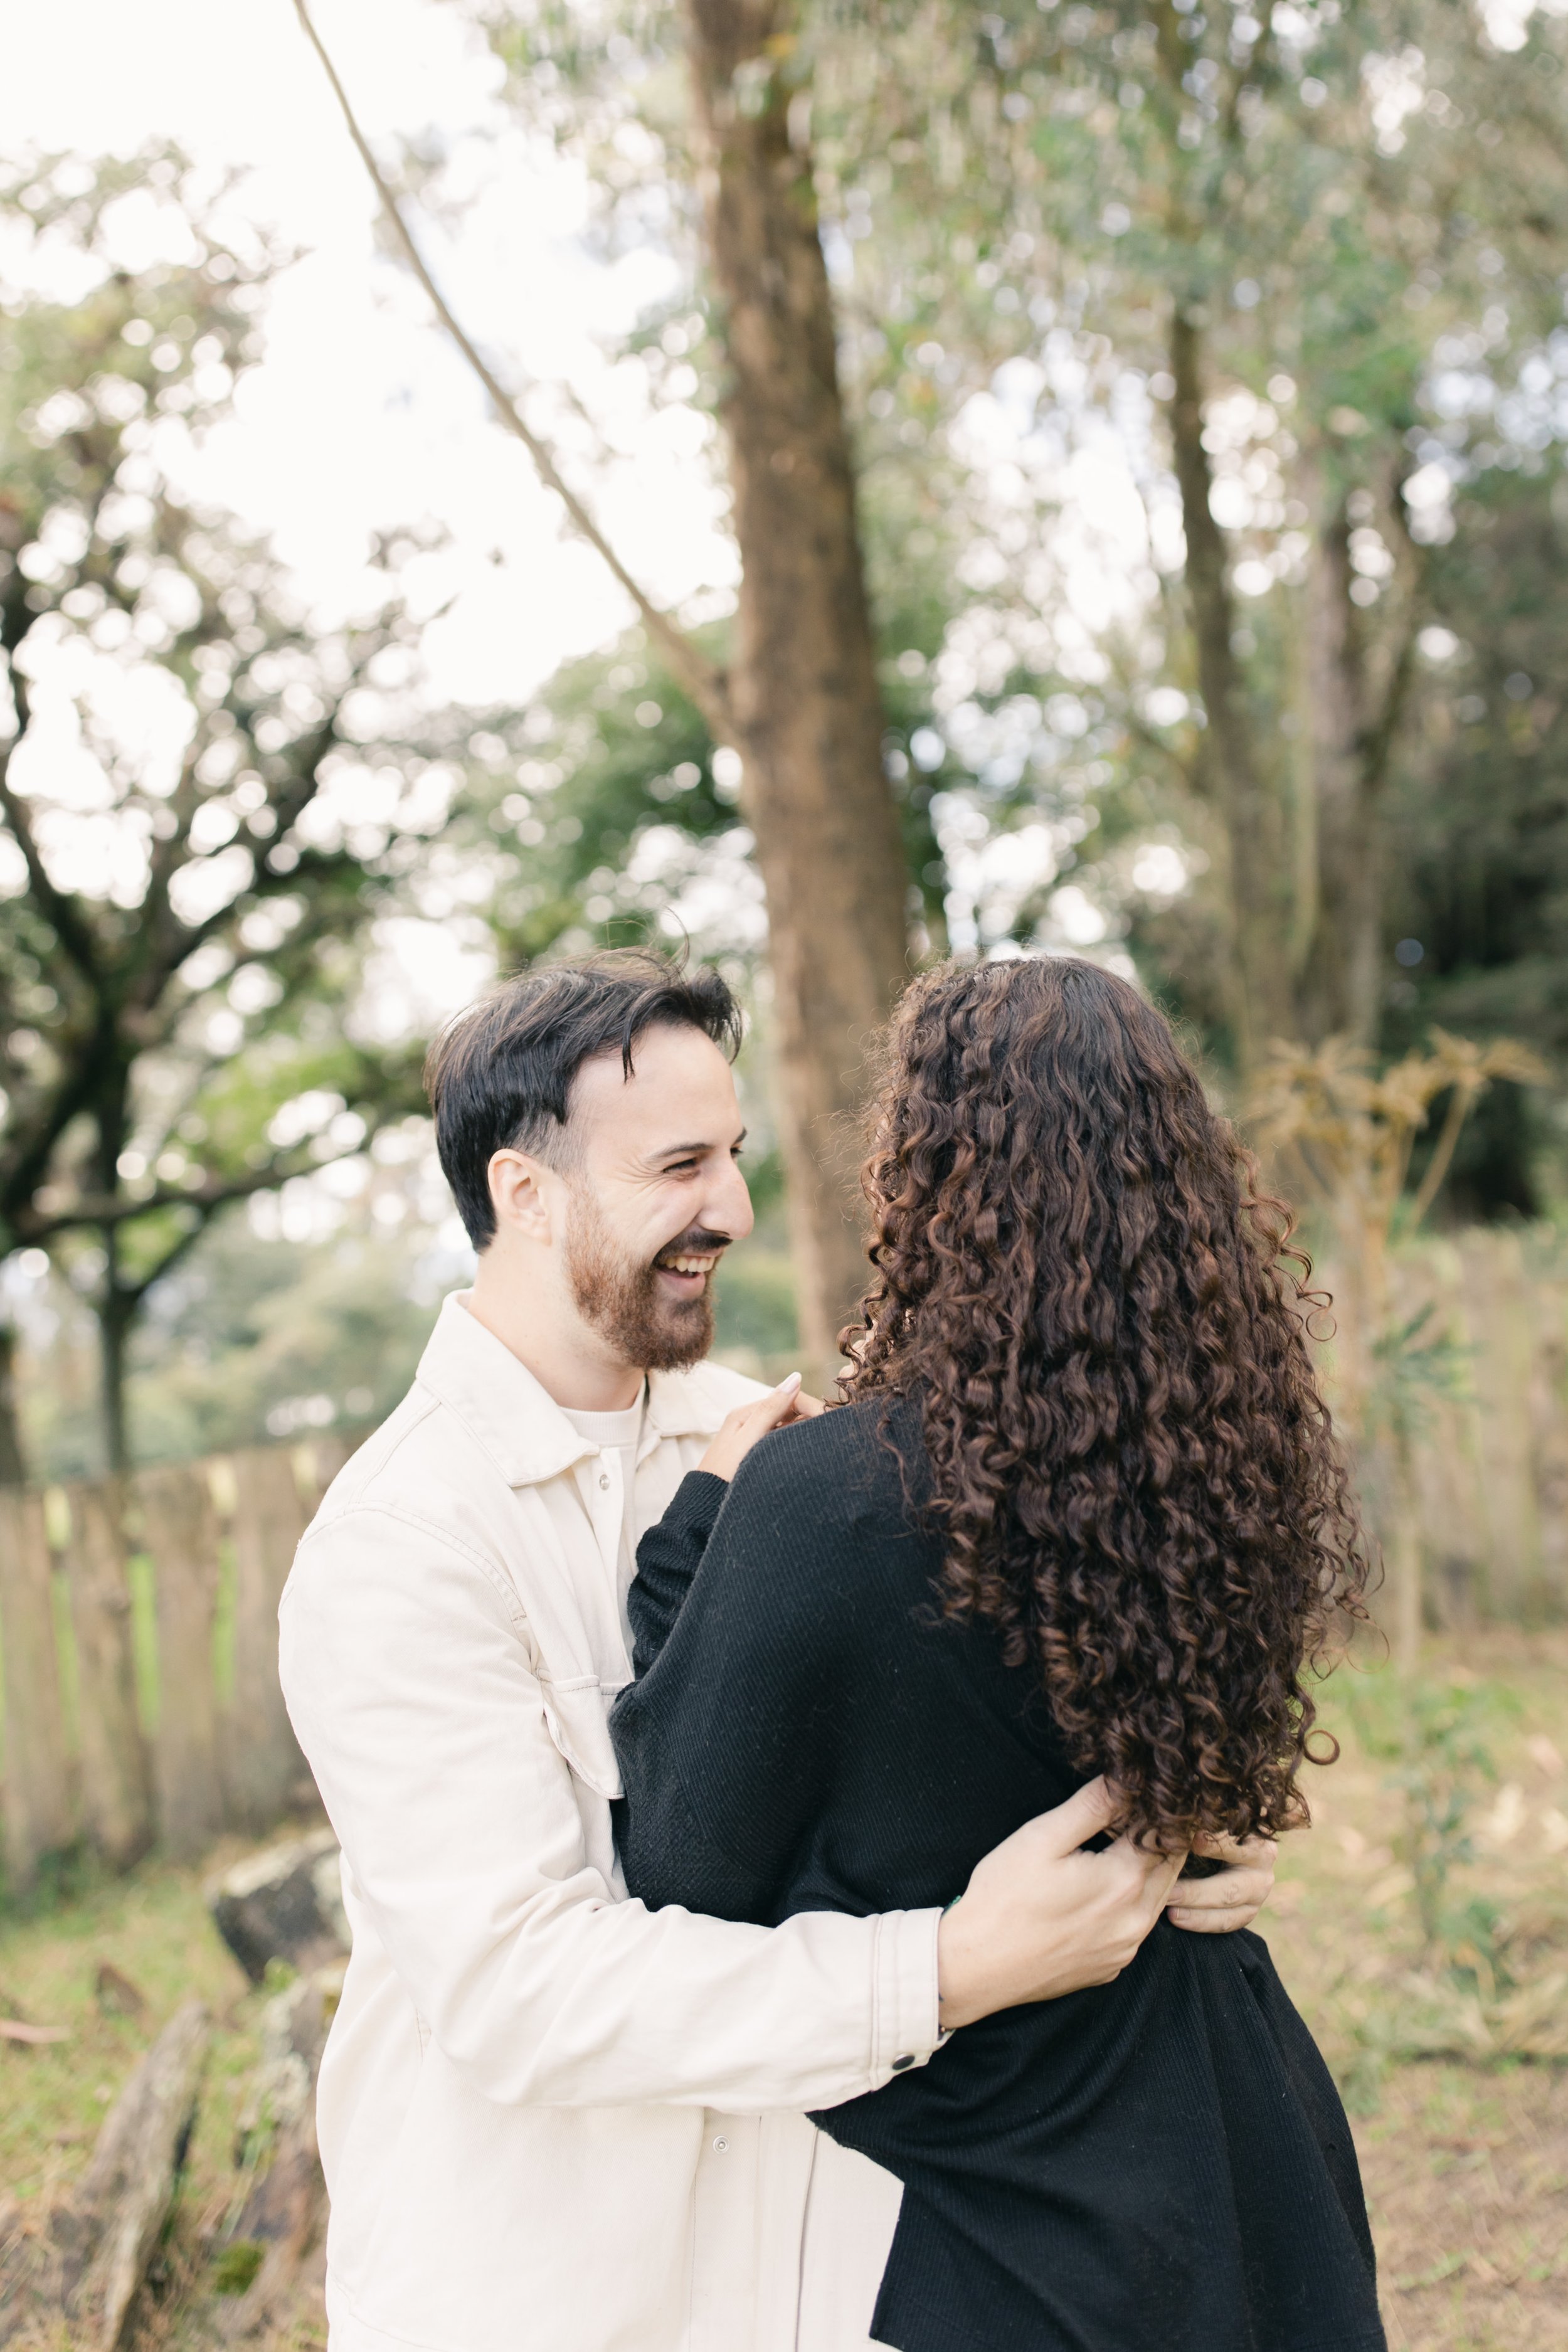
x=1106, y=1331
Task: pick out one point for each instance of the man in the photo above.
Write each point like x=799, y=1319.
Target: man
x=552, y=2120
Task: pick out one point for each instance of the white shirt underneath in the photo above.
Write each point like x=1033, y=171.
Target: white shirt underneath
x=606, y=1484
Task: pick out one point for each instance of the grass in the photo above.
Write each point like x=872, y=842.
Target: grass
x=1464, y=2142
x=152, y=1928
x=1414, y=1951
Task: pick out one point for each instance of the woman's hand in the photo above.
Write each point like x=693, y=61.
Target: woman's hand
x=739, y=1431
x=1234, y=1897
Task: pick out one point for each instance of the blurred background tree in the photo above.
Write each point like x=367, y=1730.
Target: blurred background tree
x=233, y=792
x=1182, y=391
x=1303, y=262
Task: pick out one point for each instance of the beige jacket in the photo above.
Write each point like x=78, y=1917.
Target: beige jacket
x=552, y=2120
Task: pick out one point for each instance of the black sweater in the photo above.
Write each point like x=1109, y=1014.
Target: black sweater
x=1156, y=2165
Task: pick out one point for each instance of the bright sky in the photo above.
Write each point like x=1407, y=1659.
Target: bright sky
x=361, y=414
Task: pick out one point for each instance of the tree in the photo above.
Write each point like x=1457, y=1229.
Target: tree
x=798, y=697
x=1257, y=238
x=804, y=689
x=189, y=877
x=1286, y=223
x=1479, y=811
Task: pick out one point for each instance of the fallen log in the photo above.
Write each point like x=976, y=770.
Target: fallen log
x=284, y=1904
x=293, y=2029
x=273, y=2251
x=84, y=2266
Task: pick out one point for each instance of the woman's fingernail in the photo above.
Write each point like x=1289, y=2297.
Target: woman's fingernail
x=790, y=1381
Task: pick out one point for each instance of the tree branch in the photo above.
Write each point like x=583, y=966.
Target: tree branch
x=1460, y=1098
x=133, y=1293
x=1377, y=738
x=1154, y=742
x=105, y=1209
x=21, y=1175
x=704, y=682
x=1377, y=742
x=60, y=910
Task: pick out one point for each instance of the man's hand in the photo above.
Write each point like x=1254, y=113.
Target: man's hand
x=1234, y=1897
x=1040, y=1918
x=739, y=1431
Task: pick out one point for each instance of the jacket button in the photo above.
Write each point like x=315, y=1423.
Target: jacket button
x=907, y=2060
x=721, y=2145
x=603, y=1477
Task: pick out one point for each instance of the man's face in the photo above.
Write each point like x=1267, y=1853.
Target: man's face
x=655, y=1196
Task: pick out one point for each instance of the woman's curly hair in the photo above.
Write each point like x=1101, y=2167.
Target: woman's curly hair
x=1128, y=1458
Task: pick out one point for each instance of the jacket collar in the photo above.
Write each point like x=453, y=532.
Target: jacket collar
x=519, y=1423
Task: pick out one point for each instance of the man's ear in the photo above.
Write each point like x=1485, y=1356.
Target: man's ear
x=524, y=1194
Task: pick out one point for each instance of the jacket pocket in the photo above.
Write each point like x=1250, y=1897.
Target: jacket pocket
x=576, y=1714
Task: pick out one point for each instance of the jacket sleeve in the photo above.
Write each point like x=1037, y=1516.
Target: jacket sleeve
x=667, y=1559
x=409, y=1675
x=726, y=1739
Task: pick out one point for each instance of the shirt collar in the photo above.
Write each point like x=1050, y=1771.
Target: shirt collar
x=519, y=1423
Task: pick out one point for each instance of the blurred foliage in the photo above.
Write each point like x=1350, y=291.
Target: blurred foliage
x=254, y=1338
x=1347, y=1132
x=1364, y=206
x=1426, y=1918
x=1353, y=1128
x=286, y=1322
x=192, y=883
x=1480, y=813
x=1438, y=1739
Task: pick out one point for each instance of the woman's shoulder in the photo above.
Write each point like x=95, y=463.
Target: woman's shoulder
x=855, y=1462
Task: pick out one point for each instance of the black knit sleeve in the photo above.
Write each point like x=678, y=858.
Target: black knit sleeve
x=726, y=1738
x=667, y=1560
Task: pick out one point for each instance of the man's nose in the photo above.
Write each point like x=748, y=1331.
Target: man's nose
x=728, y=1209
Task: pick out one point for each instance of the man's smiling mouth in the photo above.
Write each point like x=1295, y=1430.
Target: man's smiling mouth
x=688, y=1265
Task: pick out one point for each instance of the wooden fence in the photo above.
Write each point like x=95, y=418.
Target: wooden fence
x=139, y=1655
x=138, y=1624
x=1491, y=1455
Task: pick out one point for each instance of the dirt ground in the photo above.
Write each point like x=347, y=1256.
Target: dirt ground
x=1467, y=2178
x=1465, y=2157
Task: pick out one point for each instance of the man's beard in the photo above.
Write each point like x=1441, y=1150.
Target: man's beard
x=622, y=1300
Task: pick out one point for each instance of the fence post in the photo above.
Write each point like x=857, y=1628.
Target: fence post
x=1548, y=1414
x=1448, y=1493
x=182, y=1538
x=269, y=1517
x=1503, y=1325
x=38, y=1812
x=115, y=1810
x=328, y=1456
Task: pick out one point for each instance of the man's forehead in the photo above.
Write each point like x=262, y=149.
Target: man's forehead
x=679, y=1080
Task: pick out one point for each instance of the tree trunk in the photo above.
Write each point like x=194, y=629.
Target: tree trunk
x=1358, y=698
x=1338, y=990
x=804, y=684
x=115, y=1311
x=1248, y=806
x=13, y=1461
x=117, y=1302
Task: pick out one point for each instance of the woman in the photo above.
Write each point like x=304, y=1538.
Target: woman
x=1082, y=1512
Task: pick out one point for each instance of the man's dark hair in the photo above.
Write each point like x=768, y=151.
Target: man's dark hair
x=500, y=1074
